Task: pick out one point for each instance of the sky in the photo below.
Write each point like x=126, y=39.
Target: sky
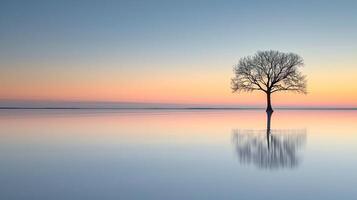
x=172, y=51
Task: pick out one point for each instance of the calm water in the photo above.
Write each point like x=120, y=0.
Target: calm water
x=177, y=155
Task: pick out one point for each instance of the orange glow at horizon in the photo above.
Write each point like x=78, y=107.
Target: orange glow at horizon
x=327, y=88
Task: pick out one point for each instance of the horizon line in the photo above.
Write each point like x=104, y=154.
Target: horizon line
x=175, y=108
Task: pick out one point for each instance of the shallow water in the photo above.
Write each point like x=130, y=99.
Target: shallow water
x=177, y=154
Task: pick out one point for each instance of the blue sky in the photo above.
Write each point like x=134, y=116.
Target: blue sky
x=81, y=29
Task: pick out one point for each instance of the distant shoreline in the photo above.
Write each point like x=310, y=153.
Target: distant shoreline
x=168, y=108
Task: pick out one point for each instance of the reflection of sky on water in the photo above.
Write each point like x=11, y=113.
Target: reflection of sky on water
x=175, y=155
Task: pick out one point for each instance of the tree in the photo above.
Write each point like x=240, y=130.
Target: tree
x=270, y=72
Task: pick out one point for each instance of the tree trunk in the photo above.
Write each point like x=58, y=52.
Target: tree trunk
x=269, y=108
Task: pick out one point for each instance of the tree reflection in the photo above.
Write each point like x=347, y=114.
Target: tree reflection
x=269, y=149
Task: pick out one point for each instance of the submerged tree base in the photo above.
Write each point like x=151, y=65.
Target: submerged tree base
x=269, y=111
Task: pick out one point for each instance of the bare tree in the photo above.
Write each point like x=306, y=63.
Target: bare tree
x=269, y=71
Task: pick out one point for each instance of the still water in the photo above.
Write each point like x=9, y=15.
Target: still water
x=177, y=154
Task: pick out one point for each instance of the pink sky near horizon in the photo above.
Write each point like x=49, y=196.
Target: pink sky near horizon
x=333, y=87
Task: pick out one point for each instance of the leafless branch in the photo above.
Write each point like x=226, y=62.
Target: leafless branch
x=269, y=71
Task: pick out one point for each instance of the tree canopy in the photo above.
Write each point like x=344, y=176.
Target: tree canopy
x=269, y=71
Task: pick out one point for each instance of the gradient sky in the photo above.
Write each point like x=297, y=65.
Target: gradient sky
x=172, y=51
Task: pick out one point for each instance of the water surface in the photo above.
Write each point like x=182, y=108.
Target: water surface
x=177, y=154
